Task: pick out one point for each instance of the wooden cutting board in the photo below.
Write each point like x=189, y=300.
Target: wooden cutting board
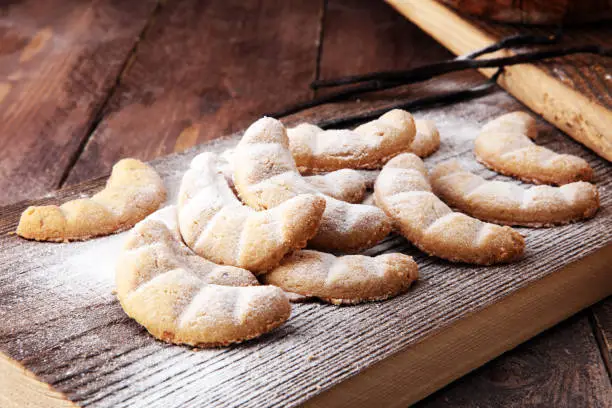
x=574, y=93
x=65, y=341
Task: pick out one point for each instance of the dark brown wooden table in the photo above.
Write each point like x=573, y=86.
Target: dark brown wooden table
x=85, y=83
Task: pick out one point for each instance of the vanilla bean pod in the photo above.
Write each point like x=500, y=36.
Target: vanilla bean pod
x=507, y=42
x=435, y=69
x=441, y=99
x=380, y=81
x=513, y=41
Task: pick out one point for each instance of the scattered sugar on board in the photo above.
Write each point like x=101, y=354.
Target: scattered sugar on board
x=95, y=260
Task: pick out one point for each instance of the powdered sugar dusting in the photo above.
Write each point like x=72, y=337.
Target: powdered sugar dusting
x=511, y=204
x=431, y=225
x=366, y=146
x=262, y=157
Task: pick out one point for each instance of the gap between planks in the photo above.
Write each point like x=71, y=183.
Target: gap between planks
x=98, y=114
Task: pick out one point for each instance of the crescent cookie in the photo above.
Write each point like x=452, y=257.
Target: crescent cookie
x=349, y=279
x=266, y=176
x=182, y=298
x=425, y=143
x=505, y=145
x=133, y=191
x=427, y=138
x=368, y=146
x=217, y=226
x=404, y=193
x=344, y=184
x=506, y=203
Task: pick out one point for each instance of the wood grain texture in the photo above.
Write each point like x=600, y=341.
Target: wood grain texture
x=58, y=61
x=586, y=74
x=205, y=68
x=602, y=325
x=63, y=323
x=560, y=368
x=573, y=93
x=389, y=42
x=536, y=11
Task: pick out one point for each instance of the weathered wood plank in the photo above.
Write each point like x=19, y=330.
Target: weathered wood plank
x=63, y=323
x=602, y=325
x=362, y=36
x=205, y=68
x=561, y=367
x=58, y=61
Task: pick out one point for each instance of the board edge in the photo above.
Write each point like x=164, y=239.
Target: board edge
x=416, y=372
x=24, y=388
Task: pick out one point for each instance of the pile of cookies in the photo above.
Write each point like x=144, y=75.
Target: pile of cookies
x=191, y=272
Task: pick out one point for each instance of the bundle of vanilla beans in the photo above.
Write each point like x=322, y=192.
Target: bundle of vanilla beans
x=357, y=85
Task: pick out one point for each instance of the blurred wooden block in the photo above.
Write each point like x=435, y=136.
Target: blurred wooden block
x=535, y=11
x=573, y=93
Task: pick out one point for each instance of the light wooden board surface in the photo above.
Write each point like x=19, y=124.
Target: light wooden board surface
x=62, y=322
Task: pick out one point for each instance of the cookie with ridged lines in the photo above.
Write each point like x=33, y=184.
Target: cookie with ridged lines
x=426, y=140
x=182, y=298
x=403, y=191
x=217, y=226
x=348, y=279
x=368, y=146
x=344, y=184
x=505, y=146
x=133, y=191
x=509, y=204
x=266, y=176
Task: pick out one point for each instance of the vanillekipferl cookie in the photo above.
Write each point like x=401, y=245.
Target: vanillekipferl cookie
x=344, y=184
x=348, y=279
x=403, y=191
x=504, y=145
x=217, y=226
x=347, y=185
x=182, y=298
x=426, y=140
x=368, y=146
x=133, y=191
x=509, y=204
x=265, y=176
